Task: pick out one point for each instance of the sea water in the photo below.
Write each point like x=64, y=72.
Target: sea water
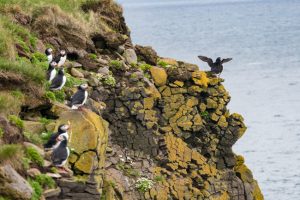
x=263, y=37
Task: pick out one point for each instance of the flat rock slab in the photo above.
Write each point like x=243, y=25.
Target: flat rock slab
x=52, y=192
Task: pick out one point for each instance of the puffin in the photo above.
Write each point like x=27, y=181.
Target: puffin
x=217, y=66
x=60, y=154
x=49, y=55
x=80, y=97
x=53, y=141
x=59, y=81
x=61, y=58
x=51, y=72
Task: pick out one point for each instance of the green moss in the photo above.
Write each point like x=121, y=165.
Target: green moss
x=45, y=121
x=1, y=133
x=159, y=178
x=93, y=56
x=4, y=198
x=163, y=64
x=45, y=181
x=145, y=67
x=25, y=163
x=115, y=64
x=205, y=115
x=72, y=81
x=37, y=189
x=45, y=136
x=128, y=170
x=110, y=80
x=53, y=170
x=16, y=121
x=34, y=156
x=33, y=138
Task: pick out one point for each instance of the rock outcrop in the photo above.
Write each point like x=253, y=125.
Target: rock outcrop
x=159, y=119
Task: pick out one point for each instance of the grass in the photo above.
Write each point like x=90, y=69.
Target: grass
x=33, y=138
x=38, y=57
x=27, y=70
x=11, y=154
x=17, y=94
x=58, y=95
x=7, y=48
x=16, y=121
x=37, y=189
x=45, y=181
x=34, y=156
x=10, y=102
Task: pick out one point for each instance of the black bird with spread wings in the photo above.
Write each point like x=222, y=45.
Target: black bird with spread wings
x=217, y=66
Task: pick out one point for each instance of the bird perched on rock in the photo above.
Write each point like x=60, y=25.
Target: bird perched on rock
x=59, y=81
x=53, y=141
x=51, y=72
x=49, y=55
x=80, y=97
x=217, y=66
x=61, y=58
x=60, y=154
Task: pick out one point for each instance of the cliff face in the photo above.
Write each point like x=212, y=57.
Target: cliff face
x=147, y=116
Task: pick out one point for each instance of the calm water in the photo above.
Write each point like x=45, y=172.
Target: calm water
x=263, y=37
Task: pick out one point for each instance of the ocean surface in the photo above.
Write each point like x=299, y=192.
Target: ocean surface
x=263, y=37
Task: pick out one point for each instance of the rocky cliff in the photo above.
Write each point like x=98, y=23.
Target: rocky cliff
x=153, y=127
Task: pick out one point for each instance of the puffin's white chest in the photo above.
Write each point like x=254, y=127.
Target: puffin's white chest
x=52, y=74
x=64, y=79
x=50, y=58
x=62, y=61
x=85, y=97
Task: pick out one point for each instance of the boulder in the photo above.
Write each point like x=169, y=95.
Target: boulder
x=14, y=185
x=89, y=133
x=130, y=56
x=76, y=73
x=159, y=76
x=147, y=54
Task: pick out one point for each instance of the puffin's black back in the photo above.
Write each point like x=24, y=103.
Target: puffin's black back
x=78, y=97
x=57, y=81
x=60, y=153
x=52, y=140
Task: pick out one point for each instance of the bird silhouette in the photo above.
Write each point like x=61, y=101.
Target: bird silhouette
x=217, y=66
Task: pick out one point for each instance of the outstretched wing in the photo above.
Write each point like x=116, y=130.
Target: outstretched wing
x=226, y=60
x=206, y=59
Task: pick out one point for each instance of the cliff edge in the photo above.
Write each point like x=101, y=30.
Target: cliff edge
x=152, y=128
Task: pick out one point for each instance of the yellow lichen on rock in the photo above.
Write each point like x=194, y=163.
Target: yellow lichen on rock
x=159, y=76
x=200, y=78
